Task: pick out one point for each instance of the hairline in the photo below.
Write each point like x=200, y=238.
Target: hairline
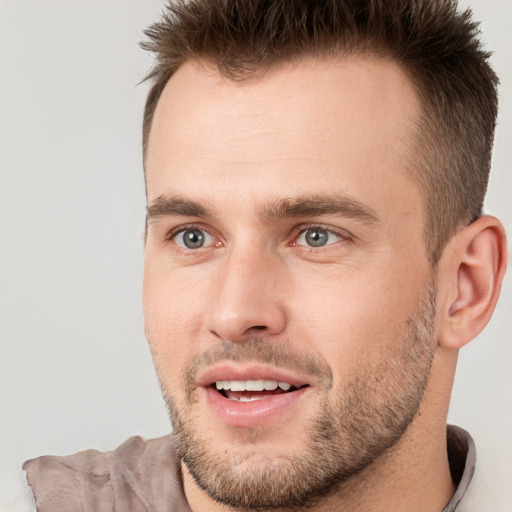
x=417, y=158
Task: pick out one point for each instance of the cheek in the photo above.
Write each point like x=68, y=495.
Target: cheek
x=352, y=320
x=173, y=312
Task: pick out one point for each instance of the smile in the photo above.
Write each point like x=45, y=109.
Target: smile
x=251, y=390
x=252, y=395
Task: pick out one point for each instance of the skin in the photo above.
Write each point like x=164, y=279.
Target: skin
x=339, y=130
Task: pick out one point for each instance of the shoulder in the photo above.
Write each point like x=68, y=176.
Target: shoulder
x=138, y=475
x=481, y=494
x=476, y=491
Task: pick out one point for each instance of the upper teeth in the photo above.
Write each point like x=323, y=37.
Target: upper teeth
x=252, y=385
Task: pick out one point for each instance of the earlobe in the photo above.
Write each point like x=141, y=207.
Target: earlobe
x=471, y=276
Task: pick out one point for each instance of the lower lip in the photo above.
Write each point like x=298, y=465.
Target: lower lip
x=254, y=413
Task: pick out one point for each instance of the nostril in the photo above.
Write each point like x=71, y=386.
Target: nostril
x=255, y=330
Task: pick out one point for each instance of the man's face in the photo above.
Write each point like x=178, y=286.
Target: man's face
x=285, y=264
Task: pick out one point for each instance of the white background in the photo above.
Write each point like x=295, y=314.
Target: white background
x=75, y=369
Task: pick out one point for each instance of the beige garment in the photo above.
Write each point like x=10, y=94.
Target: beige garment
x=144, y=476
x=139, y=476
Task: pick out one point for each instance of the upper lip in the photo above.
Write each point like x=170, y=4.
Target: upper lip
x=249, y=372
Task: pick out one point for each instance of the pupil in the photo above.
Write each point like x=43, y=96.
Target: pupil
x=193, y=238
x=316, y=237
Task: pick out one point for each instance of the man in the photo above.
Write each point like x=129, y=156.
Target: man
x=316, y=256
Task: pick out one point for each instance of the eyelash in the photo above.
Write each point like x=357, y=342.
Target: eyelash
x=188, y=227
x=344, y=237
x=299, y=231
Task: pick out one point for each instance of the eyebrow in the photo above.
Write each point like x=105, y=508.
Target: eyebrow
x=320, y=204
x=165, y=206
x=302, y=206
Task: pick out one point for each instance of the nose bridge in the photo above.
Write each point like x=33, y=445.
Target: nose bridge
x=248, y=294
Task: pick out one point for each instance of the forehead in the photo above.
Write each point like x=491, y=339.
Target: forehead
x=305, y=126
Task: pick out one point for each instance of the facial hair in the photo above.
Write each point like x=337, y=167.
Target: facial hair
x=367, y=417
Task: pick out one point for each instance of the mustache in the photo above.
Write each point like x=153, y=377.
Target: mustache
x=264, y=351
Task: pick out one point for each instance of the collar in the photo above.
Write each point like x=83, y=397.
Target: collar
x=462, y=460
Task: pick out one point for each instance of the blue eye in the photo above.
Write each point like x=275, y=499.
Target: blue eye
x=192, y=238
x=317, y=237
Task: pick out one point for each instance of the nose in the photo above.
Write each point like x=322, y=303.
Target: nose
x=248, y=297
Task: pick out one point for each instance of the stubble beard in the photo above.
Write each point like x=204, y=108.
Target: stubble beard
x=370, y=415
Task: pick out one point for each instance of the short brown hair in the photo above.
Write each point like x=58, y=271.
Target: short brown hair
x=436, y=45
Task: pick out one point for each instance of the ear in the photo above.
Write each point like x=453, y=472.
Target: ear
x=470, y=273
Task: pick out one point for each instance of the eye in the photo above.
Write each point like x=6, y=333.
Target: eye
x=317, y=237
x=192, y=238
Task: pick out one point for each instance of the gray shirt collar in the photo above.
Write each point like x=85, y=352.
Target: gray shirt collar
x=462, y=458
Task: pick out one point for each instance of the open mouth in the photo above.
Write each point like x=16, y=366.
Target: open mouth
x=251, y=390
x=250, y=396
